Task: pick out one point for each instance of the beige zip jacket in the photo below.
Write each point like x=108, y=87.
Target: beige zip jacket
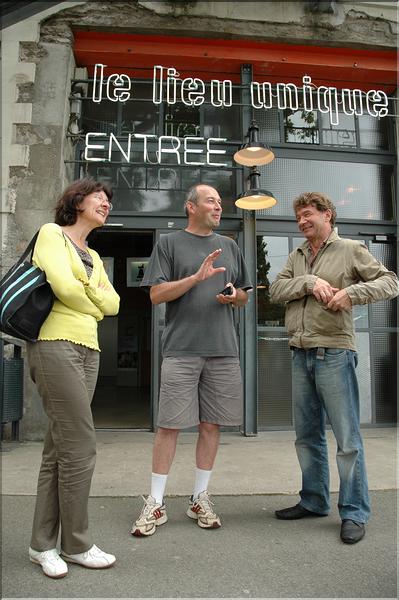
x=345, y=264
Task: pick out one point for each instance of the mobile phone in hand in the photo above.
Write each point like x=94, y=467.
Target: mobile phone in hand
x=228, y=290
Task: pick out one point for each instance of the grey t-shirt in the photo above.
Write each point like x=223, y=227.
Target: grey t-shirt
x=197, y=324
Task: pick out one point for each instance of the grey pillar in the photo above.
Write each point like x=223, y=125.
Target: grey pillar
x=250, y=346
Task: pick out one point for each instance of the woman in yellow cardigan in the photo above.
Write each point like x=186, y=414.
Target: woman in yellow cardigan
x=64, y=365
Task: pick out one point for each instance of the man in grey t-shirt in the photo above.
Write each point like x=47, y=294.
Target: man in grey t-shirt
x=200, y=377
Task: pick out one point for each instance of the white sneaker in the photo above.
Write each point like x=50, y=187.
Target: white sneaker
x=91, y=559
x=50, y=561
x=152, y=515
x=201, y=510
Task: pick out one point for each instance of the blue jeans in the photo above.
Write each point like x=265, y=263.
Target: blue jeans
x=325, y=384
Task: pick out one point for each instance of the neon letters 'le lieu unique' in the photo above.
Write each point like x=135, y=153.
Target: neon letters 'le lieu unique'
x=168, y=87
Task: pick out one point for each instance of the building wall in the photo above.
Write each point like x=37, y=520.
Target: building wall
x=35, y=83
x=38, y=64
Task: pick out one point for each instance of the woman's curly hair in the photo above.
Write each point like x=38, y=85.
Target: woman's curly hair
x=67, y=207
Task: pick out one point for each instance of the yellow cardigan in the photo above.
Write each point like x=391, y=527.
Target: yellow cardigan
x=79, y=302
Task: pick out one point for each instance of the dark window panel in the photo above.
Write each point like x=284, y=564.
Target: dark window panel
x=140, y=115
x=361, y=191
x=373, y=133
x=383, y=314
x=385, y=376
x=274, y=380
x=99, y=117
x=268, y=122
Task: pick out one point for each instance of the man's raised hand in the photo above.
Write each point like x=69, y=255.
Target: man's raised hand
x=207, y=269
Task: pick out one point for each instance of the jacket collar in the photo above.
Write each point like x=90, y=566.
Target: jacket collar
x=333, y=237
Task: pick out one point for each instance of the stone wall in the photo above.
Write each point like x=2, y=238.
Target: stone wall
x=334, y=23
x=35, y=87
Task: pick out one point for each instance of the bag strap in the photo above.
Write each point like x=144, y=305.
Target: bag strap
x=29, y=249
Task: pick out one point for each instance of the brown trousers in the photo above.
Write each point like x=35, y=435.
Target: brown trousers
x=65, y=375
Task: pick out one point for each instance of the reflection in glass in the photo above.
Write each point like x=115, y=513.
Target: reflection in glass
x=301, y=126
x=311, y=127
x=140, y=115
x=182, y=121
x=150, y=188
x=343, y=134
x=272, y=254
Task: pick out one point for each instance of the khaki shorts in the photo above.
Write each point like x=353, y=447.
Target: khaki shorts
x=195, y=389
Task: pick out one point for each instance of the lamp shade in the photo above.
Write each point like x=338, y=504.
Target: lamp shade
x=254, y=154
x=255, y=199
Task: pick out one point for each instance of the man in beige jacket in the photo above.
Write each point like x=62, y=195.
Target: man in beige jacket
x=320, y=283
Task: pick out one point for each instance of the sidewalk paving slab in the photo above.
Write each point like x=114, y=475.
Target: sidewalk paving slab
x=253, y=555
x=265, y=464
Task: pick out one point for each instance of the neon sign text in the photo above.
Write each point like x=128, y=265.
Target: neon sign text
x=168, y=87
x=99, y=144
x=324, y=99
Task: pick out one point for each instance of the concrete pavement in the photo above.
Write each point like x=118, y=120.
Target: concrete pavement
x=265, y=464
x=253, y=555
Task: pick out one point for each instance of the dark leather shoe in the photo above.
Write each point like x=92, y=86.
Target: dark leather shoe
x=352, y=532
x=296, y=512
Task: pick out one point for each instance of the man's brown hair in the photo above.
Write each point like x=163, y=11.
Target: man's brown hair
x=317, y=199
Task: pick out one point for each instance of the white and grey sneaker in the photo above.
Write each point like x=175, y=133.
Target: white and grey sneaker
x=94, y=558
x=152, y=515
x=201, y=510
x=50, y=561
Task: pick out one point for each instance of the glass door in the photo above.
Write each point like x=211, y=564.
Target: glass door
x=274, y=356
x=376, y=337
x=122, y=396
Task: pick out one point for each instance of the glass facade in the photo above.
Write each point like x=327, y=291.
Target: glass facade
x=289, y=126
x=353, y=162
x=149, y=177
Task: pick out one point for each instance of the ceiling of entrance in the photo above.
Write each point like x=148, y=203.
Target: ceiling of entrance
x=136, y=56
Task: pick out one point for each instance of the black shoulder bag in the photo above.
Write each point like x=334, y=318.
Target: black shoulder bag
x=26, y=298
